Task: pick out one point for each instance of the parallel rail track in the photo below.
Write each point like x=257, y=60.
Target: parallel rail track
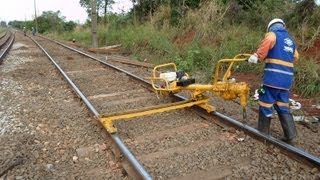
x=6, y=41
x=135, y=169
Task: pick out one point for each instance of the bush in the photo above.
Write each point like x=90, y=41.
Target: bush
x=307, y=78
x=222, y=29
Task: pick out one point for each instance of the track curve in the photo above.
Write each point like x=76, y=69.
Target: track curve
x=6, y=42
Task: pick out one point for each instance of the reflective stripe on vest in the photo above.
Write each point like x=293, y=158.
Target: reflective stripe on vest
x=280, y=62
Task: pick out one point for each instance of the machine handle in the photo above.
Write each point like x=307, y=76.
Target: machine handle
x=237, y=58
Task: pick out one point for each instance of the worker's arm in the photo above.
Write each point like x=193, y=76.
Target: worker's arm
x=266, y=44
x=296, y=56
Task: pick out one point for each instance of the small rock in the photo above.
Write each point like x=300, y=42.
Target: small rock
x=274, y=165
x=64, y=158
x=292, y=169
x=96, y=148
x=75, y=158
x=314, y=170
x=102, y=147
x=111, y=163
x=279, y=157
x=49, y=167
x=85, y=151
x=276, y=150
x=18, y=177
x=36, y=154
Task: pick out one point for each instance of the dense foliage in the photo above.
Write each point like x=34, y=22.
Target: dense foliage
x=49, y=21
x=3, y=24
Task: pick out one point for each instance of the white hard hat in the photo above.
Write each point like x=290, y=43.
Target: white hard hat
x=273, y=21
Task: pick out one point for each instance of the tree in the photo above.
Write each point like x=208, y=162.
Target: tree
x=17, y=24
x=51, y=21
x=3, y=24
x=105, y=8
x=94, y=24
x=101, y=5
x=69, y=26
x=146, y=8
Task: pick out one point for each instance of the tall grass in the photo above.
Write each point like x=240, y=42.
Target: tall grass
x=2, y=29
x=307, y=78
x=214, y=38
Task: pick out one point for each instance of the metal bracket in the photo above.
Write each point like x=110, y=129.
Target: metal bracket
x=107, y=119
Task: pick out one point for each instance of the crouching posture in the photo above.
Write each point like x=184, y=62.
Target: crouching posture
x=278, y=51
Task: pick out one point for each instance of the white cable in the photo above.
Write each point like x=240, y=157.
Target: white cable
x=256, y=95
x=294, y=105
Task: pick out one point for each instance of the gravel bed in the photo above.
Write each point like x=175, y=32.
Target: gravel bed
x=45, y=131
x=52, y=135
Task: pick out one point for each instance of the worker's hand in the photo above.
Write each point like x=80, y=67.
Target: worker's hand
x=253, y=58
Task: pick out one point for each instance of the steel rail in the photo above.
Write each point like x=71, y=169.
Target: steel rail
x=143, y=174
x=314, y=160
x=4, y=52
x=96, y=59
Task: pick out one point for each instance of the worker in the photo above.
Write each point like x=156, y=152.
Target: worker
x=33, y=31
x=278, y=51
x=24, y=31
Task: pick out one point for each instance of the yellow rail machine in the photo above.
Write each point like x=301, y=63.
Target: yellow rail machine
x=173, y=81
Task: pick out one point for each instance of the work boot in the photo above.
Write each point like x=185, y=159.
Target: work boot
x=264, y=123
x=289, y=128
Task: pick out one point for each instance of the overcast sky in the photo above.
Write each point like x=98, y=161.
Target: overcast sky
x=71, y=9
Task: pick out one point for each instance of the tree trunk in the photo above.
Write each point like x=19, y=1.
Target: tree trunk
x=94, y=23
x=35, y=16
x=134, y=14
x=105, y=11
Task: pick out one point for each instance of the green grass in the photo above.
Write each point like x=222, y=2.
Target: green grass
x=2, y=31
x=212, y=41
x=307, y=78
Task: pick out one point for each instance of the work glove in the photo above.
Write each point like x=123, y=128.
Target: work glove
x=253, y=58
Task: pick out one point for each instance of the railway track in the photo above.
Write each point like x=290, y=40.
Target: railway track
x=182, y=144
x=6, y=41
